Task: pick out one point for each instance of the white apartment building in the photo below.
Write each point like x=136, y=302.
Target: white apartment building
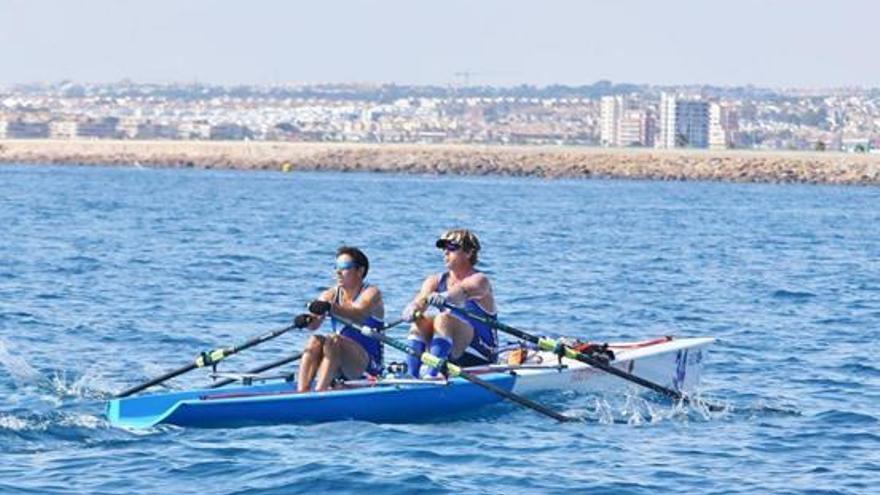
x=610, y=109
x=717, y=137
x=128, y=127
x=667, y=121
x=63, y=129
x=194, y=130
x=631, y=128
x=624, y=124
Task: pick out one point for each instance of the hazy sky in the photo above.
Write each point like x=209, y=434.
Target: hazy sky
x=802, y=43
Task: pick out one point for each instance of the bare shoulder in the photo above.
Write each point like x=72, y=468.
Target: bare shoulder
x=328, y=295
x=479, y=278
x=372, y=292
x=431, y=282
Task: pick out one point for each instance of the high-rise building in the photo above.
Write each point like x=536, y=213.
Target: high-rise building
x=610, y=110
x=692, y=123
x=650, y=132
x=624, y=123
x=717, y=138
x=667, y=121
x=631, y=128
x=730, y=125
x=683, y=123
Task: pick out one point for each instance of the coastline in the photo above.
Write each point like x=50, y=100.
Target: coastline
x=535, y=161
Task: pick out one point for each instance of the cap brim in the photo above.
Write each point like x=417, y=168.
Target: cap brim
x=441, y=243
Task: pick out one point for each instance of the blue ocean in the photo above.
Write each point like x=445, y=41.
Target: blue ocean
x=110, y=276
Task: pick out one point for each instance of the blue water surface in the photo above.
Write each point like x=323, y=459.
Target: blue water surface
x=109, y=276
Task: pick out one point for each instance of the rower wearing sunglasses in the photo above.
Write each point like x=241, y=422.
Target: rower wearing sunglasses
x=346, y=353
x=452, y=334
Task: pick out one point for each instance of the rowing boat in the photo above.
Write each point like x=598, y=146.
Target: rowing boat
x=672, y=362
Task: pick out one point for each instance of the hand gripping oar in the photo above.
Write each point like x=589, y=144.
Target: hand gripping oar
x=557, y=347
x=282, y=362
x=452, y=370
x=208, y=358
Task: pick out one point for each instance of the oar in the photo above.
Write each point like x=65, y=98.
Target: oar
x=208, y=358
x=283, y=361
x=556, y=346
x=455, y=371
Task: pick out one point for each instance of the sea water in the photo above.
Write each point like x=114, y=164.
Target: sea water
x=110, y=276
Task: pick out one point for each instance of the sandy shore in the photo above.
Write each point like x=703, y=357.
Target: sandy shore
x=737, y=166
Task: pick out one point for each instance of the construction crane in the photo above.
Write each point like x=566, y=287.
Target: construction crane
x=465, y=76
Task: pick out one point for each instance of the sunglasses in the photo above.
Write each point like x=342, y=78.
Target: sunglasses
x=448, y=245
x=345, y=265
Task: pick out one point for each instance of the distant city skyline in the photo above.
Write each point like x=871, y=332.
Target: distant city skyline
x=785, y=43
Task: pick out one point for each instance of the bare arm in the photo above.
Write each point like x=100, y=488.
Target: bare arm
x=476, y=286
x=362, y=308
x=420, y=302
x=317, y=320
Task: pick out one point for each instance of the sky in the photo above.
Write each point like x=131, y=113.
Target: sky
x=777, y=44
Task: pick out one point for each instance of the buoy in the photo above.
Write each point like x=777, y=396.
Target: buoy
x=286, y=167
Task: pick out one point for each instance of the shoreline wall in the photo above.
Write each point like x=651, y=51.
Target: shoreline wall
x=537, y=161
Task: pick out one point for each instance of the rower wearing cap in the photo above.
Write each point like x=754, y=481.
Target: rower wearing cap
x=346, y=353
x=453, y=334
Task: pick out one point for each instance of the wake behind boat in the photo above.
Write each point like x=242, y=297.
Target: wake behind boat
x=671, y=363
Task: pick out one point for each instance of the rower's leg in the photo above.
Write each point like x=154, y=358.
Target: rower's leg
x=420, y=333
x=331, y=363
x=354, y=358
x=313, y=353
x=451, y=337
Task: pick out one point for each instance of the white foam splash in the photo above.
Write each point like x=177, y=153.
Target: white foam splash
x=89, y=385
x=41, y=422
x=86, y=421
x=20, y=370
x=604, y=412
x=13, y=423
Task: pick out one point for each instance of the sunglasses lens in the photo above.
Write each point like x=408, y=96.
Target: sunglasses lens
x=447, y=245
x=346, y=265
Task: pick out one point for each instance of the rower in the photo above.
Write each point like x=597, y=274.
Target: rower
x=346, y=353
x=452, y=334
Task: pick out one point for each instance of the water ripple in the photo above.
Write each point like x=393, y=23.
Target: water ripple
x=114, y=275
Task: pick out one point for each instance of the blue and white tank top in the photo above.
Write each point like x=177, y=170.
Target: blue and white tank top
x=485, y=341
x=372, y=346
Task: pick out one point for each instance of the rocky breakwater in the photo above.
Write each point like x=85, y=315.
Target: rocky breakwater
x=574, y=162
